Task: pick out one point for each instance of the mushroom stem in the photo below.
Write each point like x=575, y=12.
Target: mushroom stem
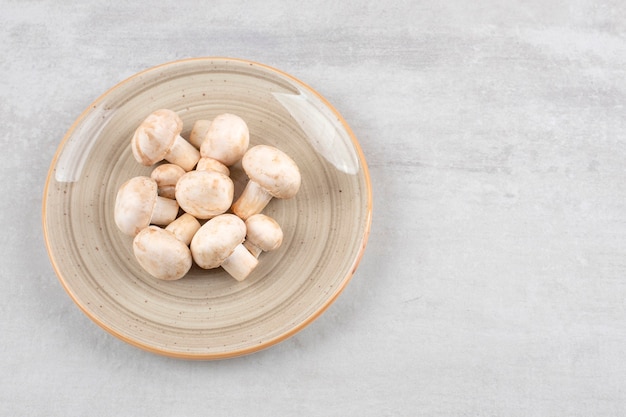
x=184, y=228
x=252, y=248
x=165, y=211
x=183, y=154
x=252, y=201
x=240, y=263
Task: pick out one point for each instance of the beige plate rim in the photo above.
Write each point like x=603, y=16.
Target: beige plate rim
x=267, y=343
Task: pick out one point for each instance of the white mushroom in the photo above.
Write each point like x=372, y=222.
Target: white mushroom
x=219, y=243
x=164, y=253
x=166, y=177
x=204, y=194
x=137, y=205
x=227, y=139
x=198, y=132
x=272, y=173
x=158, y=138
x=210, y=164
x=263, y=234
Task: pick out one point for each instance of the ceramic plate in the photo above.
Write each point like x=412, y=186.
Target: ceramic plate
x=207, y=314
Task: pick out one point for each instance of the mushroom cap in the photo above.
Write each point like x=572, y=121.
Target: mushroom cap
x=204, y=194
x=273, y=170
x=166, y=177
x=264, y=232
x=216, y=240
x=210, y=164
x=134, y=204
x=227, y=139
x=161, y=254
x=198, y=132
x=155, y=136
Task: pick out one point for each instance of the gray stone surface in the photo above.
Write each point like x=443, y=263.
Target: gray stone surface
x=494, y=281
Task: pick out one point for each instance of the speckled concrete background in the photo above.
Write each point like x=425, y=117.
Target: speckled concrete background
x=494, y=282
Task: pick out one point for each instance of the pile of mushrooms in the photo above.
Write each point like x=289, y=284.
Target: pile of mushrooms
x=184, y=211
